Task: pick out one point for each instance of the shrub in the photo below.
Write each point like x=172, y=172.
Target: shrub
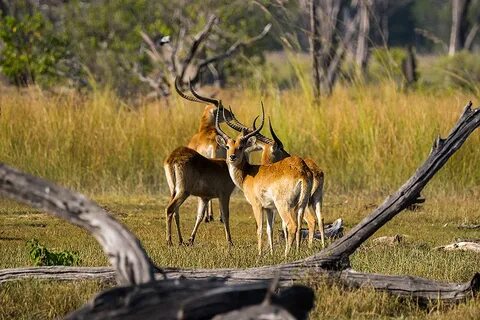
x=42, y=256
x=30, y=49
x=461, y=71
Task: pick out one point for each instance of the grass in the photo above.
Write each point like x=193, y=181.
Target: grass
x=368, y=140
x=435, y=224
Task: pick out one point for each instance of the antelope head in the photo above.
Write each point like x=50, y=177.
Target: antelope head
x=245, y=143
x=273, y=149
x=214, y=105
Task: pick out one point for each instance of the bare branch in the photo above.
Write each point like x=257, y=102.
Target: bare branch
x=230, y=51
x=432, y=37
x=199, y=38
x=471, y=36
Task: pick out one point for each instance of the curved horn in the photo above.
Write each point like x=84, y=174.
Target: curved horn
x=182, y=94
x=234, y=123
x=215, y=102
x=256, y=131
x=261, y=137
x=274, y=136
x=219, y=130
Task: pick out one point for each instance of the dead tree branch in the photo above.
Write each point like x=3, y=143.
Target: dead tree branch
x=168, y=66
x=199, y=38
x=230, y=51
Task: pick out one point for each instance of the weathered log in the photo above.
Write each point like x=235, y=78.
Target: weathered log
x=58, y=273
x=123, y=249
x=332, y=231
x=288, y=273
x=469, y=226
x=189, y=299
x=461, y=246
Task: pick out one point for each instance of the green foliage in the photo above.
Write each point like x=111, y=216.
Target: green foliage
x=106, y=35
x=42, y=256
x=30, y=51
x=461, y=71
x=387, y=64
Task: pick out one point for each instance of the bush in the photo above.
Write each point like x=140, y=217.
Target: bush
x=41, y=256
x=461, y=71
x=30, y=50
x=386, y=64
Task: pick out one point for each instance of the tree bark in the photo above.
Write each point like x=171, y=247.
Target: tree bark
x=288, y=273
x=458, y=32
x=361, y=54
x=315, y=47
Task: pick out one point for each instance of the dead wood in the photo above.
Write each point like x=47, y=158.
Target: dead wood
x=405, y=286
x=461, y=246
x=469, y=226
x=190, y=299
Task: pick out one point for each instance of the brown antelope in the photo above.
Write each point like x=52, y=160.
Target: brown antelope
x=283, y=186
x=190, y=173
x=204, y=140
x=274, y=151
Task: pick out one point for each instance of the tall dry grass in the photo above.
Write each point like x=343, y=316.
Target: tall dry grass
x=366, y=138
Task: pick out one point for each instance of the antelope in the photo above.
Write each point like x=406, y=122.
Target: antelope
x=204, y=140
x=190, y=173
x=274, y=151
x=284, y=186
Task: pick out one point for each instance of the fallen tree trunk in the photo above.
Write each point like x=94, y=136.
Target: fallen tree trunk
x=331, y=262
x=421, y=288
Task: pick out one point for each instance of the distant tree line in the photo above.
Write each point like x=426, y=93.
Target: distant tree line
x=139, y=46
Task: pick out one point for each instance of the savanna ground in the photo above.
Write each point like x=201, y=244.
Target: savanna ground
x=368, y=140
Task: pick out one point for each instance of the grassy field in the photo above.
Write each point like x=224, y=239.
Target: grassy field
x=433, y=225
x=368, y=140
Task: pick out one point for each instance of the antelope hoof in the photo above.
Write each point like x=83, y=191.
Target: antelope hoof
x=189, y=243
x=169, y=243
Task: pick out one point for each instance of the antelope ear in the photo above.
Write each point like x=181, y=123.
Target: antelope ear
x=221, y=142
x=252, y=146
x=251, y=141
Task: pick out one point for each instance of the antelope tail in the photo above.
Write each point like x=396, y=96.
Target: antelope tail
x=171, y=179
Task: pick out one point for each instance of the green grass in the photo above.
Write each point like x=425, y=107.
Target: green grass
x=433, y=225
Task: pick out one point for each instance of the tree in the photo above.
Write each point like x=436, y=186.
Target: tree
x=330, y=33
x=460, y=25
x=30, y=49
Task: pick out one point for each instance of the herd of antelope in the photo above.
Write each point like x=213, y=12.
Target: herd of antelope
x=213, y=164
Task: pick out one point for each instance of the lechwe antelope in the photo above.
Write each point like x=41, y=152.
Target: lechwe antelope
x=190, y=173
x=274, y=151
x=284, y=185
x=204, y=140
